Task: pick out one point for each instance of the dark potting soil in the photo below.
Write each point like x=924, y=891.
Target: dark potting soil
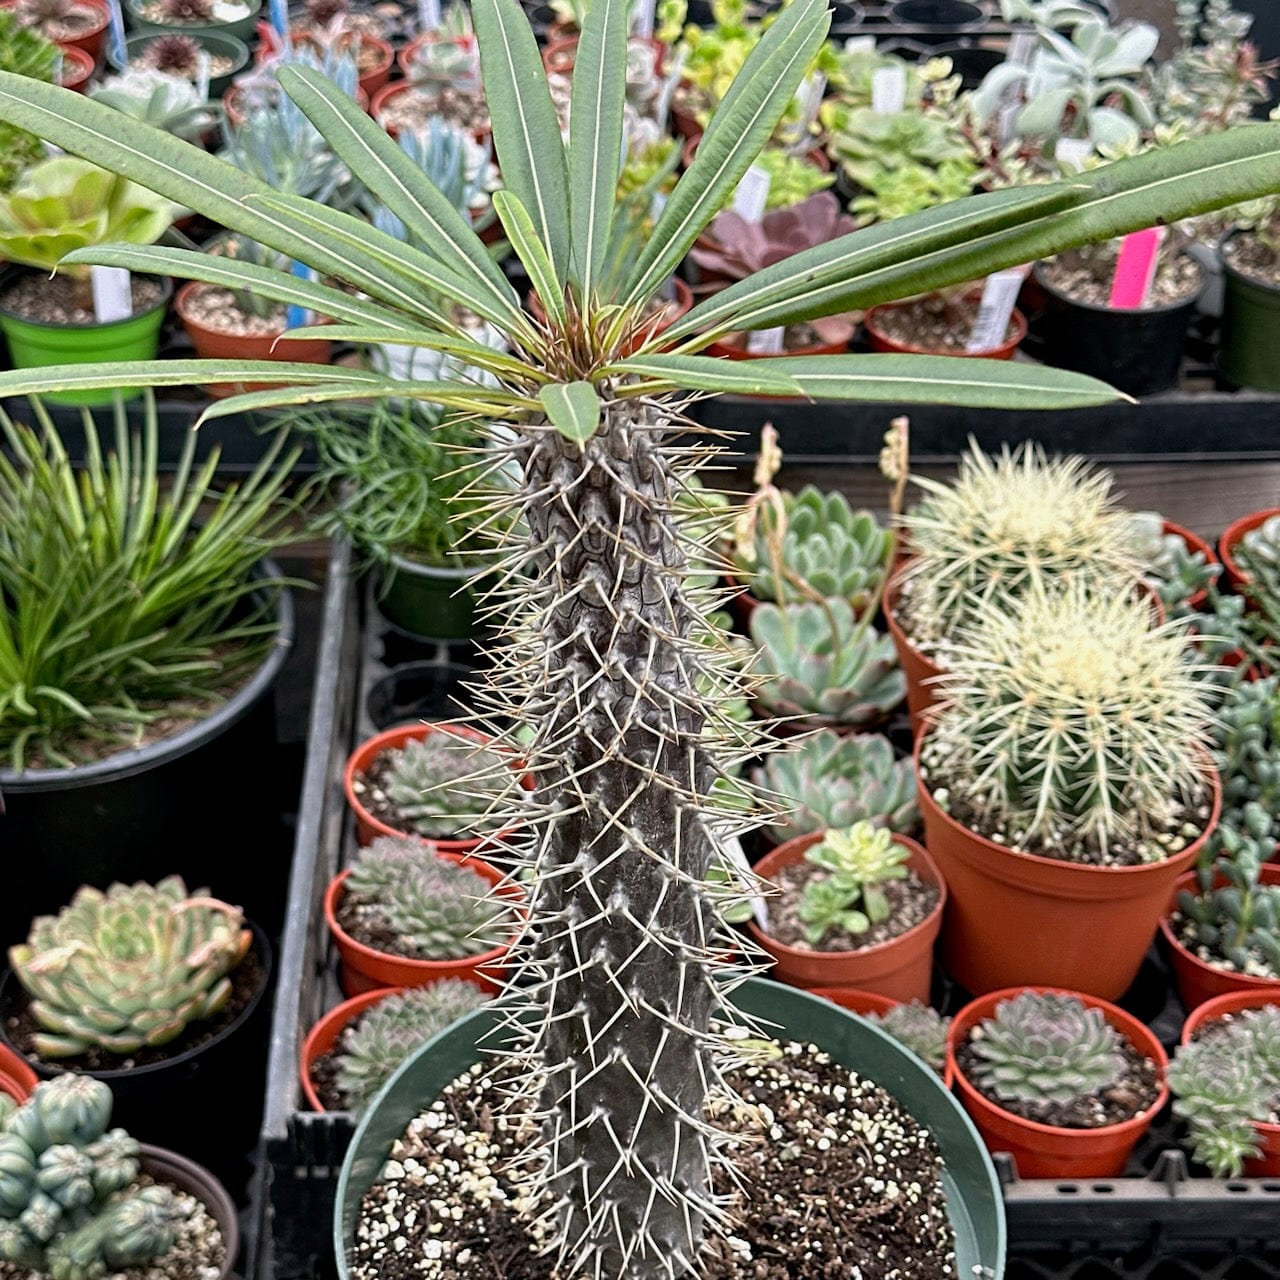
x=1133, y=1094
x=58, y=300
x=835, y=1179
x=935, y=322
x=1184, y=929
x=1248, y=255
x=246, y=979
x=413, y=108
x=910, y=901
x=1088, y=279
x=215, y=308
x=198, y=1253
x=324, y=1080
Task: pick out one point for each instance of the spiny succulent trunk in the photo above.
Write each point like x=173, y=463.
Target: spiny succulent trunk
x=629, y=994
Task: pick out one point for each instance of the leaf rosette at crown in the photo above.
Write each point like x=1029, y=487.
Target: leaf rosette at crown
x=604, y=656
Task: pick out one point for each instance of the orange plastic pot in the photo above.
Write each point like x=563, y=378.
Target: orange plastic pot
x=900, y=968
x=1236, y=577
x=407, y=56
x=1017, y=919
x=561, y=54
x=214, y=344
x=324, y=1035
x=860, y=1002
x=388, y=92
x=1045, y=1150
x=77, y=67
x=733, y=346
x=364, y=969
x=17, y=1079
x=921, y=673
x=370, y=80
x=368, y=827
x=90, y=41
x=1194, y=543
x=1199, y=982
x=881, y=341
x=1267, y=1164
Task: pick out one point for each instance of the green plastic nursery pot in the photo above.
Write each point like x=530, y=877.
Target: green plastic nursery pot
x=1046, y=1150
x=1250, y=343
x=427, y=601
x=1267, y=1163
x=216, y=43
x=33, y=345
x=242, y=28
x=969, y=1178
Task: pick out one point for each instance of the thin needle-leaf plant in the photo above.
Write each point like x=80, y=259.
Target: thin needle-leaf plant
x=603, y=655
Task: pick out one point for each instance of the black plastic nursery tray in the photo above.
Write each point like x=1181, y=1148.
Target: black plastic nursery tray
x=1163, y=1220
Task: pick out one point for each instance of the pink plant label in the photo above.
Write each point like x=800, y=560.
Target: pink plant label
x=1136, y=268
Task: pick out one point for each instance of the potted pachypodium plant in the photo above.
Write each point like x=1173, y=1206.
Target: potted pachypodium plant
x=1225, y=1078
x=1065, y=791
x=858, y=907
x=625, y=828
x=80, y=1199
x=1066, y=1083
x=59, y=203
x=404, y=915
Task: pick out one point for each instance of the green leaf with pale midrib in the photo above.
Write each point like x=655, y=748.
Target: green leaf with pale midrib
x=453, y=395
x=743, y=377
x=476, y=353
x=573, y=409
x=170, y=373
x=532, y=253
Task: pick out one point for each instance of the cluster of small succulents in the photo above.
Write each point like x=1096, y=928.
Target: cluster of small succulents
x=128, y=968
x=813, y=545
x=850, y=898
x=1074, y=726
x=1004, y=526
x=819, y=661
x=69, y=1206
x=1225, y=1080
x=372, y=1048
x=1172, y=569
x=828, y=780
x=920, y=1027
x=1045, y=1046
x=1258, y=554
x=438, y=910
x=445, y=786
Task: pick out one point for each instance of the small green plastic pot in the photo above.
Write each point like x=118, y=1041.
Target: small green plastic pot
x=969, y=1179
x=242, y=28
x=427, y=602
x=1250, y=330
x=215, y=42
x=35, y=345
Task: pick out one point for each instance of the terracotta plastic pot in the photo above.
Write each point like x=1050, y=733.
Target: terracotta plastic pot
x=881, y=341
x=733, y=346
x=16, y=1076
x=1018, y=919
x=1198, y=981
x=1266, y=1165
x=324, y=1035
x=370, y=81
x=90, y=41
x=368, y=826
x=77, y=67
x=364, y=969
x=1236, y=577
x=561, y=54
x=407, y=56
x=1045, y=1150
x=920, y=672
x=860, y=1002
x=217, y=345
x=1194, y=543
x=900, y=968
x=388, y=92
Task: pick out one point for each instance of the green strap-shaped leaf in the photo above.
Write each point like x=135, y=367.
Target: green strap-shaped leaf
x=231, y=273
x=479, y=401
x=573, y=409
x=907, y=258
x=707, y=373
x=526, y=131
x=108, y=375
x=595, y=134
x=378, y=161
x=747, y=115
x=519, y=227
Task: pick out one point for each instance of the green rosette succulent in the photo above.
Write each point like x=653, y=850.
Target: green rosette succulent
x=129, y=968
x=920, y=1027
x=850, y=897
x=443, y=785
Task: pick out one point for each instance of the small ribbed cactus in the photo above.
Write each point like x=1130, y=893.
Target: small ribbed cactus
x=1045, y=1046
x=850, y=898
x=817, y=660
x=128, y=968
x=373, y=1047
x=68, y=1205
x=815, y=546
x=920, y=1027
x=1225, y=1080
x=1074, y=725
x=828, y=780
x=443, y=785
x=1003, y=526
x=438, y=910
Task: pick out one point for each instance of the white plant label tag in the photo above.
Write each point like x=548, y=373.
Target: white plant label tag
x=888, y=90
x=115, y=25
x=674, y=74
x=733, y=848
x=765, y=342
x=112, y=293
x=1022, y=45
x=203, y=74
x=860, y=44
x=1007, y=121
x=429, y=18
x=992, y=323
x=1071, y=153
x=811, y=94
x=642, y=19
x=752, y=195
